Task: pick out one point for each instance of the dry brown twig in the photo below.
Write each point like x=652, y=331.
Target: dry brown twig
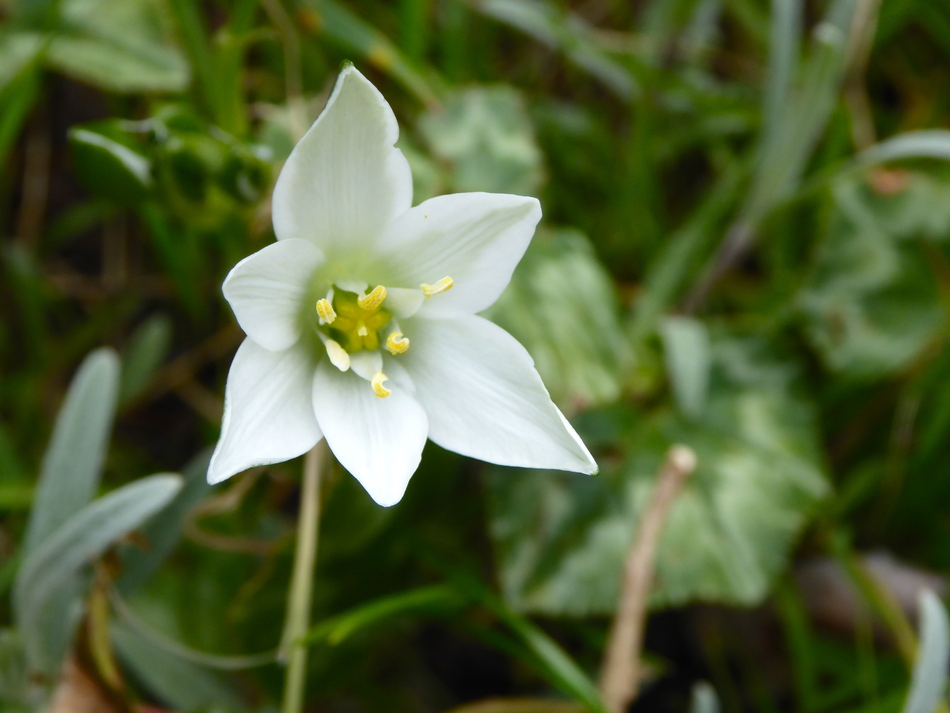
x=620, y=672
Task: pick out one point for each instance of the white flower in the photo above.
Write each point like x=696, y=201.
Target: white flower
x=362, y=323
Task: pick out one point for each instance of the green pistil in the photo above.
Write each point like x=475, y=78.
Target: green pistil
x=356, y=328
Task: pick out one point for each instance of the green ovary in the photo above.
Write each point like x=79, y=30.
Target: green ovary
x=356, y=328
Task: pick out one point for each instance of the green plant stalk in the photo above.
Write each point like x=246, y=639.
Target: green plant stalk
x=293, y=646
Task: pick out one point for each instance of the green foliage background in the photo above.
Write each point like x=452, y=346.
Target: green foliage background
x=744, y=249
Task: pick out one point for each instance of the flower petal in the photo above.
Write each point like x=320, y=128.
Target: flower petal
x=477, y=239
x=269, y=290
x=485, y=399
x=344, y=182
x=378, y=440
x=268, y=411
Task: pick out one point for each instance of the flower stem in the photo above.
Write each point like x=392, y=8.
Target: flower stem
x=293, y=650
x=620, y=671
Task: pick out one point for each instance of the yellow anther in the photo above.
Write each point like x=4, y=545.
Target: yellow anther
x=338, y=355
x=443, y=285
x=396, y=343
x=325, y=311
x=378, y=388
x=374, y=299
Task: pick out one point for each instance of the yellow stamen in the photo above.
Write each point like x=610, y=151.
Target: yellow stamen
x=443, y=285
x=378, y=388
x=338, y=355
x=396, y=343
x=374, y=299
x=325, y=311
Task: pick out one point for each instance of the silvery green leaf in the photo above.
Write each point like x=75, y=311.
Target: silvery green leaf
x=929, y=680
x=47, y=594
x=871, y=302
x=561, y=539
x=485, y=134
x=72, y=464
x=561, y=305
x=704, y=699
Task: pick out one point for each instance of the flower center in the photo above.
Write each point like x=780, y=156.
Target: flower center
x=353, y=326
x=354, y=321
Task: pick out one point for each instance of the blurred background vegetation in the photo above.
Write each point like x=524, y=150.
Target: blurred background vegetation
x=745, y=248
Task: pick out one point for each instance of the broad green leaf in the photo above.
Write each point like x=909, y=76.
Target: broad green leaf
x=117, y=45
x=686, y=348
x=871, y=303
x=145, y=352
x=72, y=465
x=561, y=538
x=933, y=656
x=562, y=306
x=485, y=135
x=48, y=590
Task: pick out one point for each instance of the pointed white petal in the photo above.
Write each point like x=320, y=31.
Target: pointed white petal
x=404, y=302
x=485, y=399
x=378, y=440
x=269, y=291
x=476, y=239
x=268, y=411
x=344, y=182
x=366, y=364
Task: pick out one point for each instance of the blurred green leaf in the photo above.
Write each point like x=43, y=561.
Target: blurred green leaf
x=347, y=28
x=704, y=699
x=164, y=531
x=109, y=164
x=806, y=107
x=486, y=136
x=929, y=683
x=871, y=304
x=147, y=349
x=117, y=45
x=561, y=539
x=565, y=32
x=54, y=568
x=72, y=464
x=15, y=686
x=561, y=304
x=688, y=361
x=176, y=681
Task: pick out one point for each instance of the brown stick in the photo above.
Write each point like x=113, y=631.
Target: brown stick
x=620, y=671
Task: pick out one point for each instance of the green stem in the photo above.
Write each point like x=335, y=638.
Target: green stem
x=293, y=646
